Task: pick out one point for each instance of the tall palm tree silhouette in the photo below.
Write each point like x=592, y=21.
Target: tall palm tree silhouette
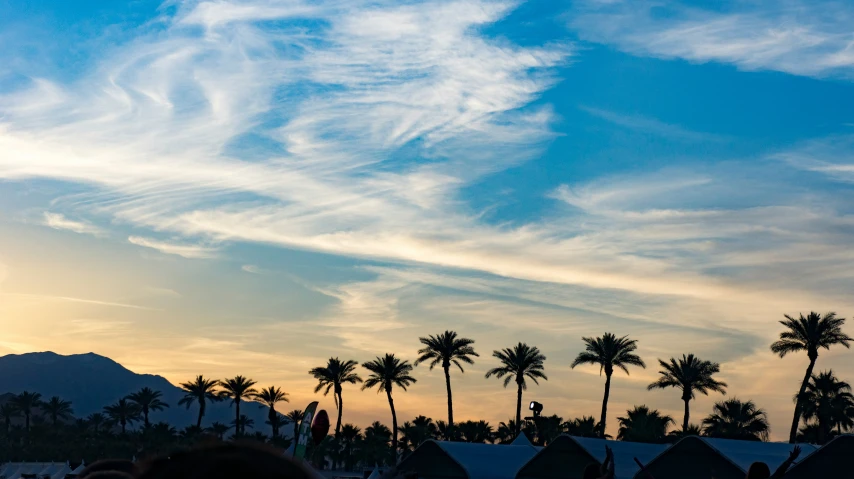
x=691, y=375
x=642, y=424
x=446, y=349
x=521, y=362
x=608, y=351
x=124, y=412
x=808, y=334
x=270, y=396
x=8, y=412
x=25, y=403
x=829, y=401
x=387, y=372
x=57, y=408
x=219, y=429
x=296, y=417
x=734, y=419
x=333, y=376
x=237, y=389
x=96, y=420
x=199, y=391
x=148, y=400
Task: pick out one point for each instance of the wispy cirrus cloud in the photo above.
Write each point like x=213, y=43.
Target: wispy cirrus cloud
x=802, y=38
x=190, y=251
x=58, y=221
x=652, y=126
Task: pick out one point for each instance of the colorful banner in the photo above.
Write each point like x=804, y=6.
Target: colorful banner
x=304, y=436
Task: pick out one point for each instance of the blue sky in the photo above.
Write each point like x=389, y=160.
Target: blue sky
x=278, y=181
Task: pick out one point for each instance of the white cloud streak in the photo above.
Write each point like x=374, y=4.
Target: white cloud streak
x=190, y=251
x=58, y=221
x=801, y=38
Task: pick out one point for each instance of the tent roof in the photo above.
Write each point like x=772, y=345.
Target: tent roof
x=521, y=440
x=624, y=453
x=488, y=461
x=744, y=453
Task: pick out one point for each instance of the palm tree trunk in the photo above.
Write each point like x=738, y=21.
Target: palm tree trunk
x=145, y=415
x=450, y=398
x=124, y=426
x=796, y=420
x=518, y=408
x=237, y=428
x=605, y=404
x=340, y=413
x=272, y=417
x=201, y=413
x=393, y=424
x=27, y=420
x=687, y=414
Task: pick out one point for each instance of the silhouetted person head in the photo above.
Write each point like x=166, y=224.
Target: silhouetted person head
x=591, y=471
x=226, y=461
x=758, y=470
x=108, y=465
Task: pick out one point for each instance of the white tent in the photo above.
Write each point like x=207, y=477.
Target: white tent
x=625, y=453
x=566, y=457
x=77, y=470
x=462, y=460
x=375, y=474
x=719, y=458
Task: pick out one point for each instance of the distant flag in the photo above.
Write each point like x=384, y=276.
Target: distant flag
x=304, y=435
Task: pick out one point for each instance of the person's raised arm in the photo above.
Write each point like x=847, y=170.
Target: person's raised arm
x=796, y=451
x=608, y=465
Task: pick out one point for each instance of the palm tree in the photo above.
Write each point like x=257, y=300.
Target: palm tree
x=200, y=390
x=734, y=419
x=827, y=400
x=584, y=426
x=241, y=423
x=270, y=397
x=237, y=389
x=349, y=435
x=124, y=412
x=57, y=409
x=219, y=429
x=276, y=422
x=447, y=349
x=516, y=364
x=375, y=449
x=8, y=412
x=387, y=372
x=643, y=424
x=25, y=403
x=333, y=376
x=296, y=417
x=476, y=432
x=506, y=431
x=608, y=351
x=690, y=374
x=148, y=400
x=693, y=430
x=416, y=432
x=808, y=334
x=96, y=420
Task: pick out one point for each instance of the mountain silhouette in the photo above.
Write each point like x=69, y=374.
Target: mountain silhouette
x=91, y=381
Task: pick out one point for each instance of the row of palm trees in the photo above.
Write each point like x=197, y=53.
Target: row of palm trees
x=689, y=374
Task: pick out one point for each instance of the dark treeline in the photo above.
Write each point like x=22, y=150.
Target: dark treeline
x=38, y=429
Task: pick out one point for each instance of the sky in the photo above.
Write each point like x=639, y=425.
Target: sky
x=249, y=187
